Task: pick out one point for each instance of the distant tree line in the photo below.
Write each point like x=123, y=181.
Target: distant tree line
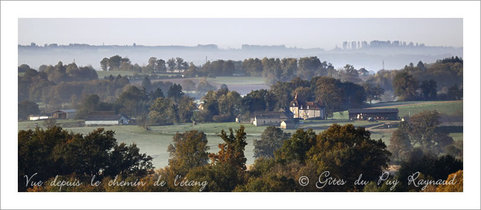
x=118, y=63
x=273, y=69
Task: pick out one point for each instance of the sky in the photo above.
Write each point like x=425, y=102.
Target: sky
x=232, y=33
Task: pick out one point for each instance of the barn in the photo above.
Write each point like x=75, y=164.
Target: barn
x=373, y=114
x=270, y=118
x=64, y=114
x=106, y=119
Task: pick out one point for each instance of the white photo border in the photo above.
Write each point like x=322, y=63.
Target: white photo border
x=11, y=11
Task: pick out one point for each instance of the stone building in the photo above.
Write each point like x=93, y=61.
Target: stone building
x=307, y=110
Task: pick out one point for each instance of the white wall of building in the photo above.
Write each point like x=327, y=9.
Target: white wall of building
x=102, y=122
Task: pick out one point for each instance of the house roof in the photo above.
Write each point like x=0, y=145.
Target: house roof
x=66, y=110
x=304, y=105
x=372, y=111
x=264, y=115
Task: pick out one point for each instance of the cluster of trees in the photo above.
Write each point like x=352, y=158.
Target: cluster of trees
x=202, y=86
x=332, y=93
x=224, y=105
x=45, y=154
x=54, y=85
x=175, y=108
x=117, y=63
x=335, y=89
x=422, y=132
x=220, y=106
x=344, y=151
x=26, y=108
x=148, y=108
x=273, y=69
x=154, y=65
x=68, y=73
x=438, y=81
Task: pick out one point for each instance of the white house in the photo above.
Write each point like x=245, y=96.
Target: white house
x=307, y=110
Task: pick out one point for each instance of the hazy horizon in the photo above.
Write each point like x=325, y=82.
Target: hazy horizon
x=229, y=33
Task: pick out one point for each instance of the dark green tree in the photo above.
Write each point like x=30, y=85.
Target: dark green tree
x=405, y=86
x=429, y=89
x=271, y=140
x=189, y=150
x=175, y=92
x=26, y=108
x=296, y=147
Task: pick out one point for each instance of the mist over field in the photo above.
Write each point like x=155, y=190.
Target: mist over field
x=369, y=58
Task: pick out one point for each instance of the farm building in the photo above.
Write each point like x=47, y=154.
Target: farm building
x=106, y=118
x=246, y=119
x=289, y=124
x=270, y=118
x=374, y=114
x=37, y=117
x=64, y=114
x=307, y=110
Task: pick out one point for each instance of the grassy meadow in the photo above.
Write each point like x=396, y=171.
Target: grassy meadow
x=155, y=141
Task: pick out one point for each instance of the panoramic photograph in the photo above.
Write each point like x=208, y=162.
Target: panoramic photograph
x=240, y=105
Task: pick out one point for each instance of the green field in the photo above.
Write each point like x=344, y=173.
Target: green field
x=407, y=108
x=156, y=141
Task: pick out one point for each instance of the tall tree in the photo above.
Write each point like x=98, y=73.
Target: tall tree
x=429, y=89
x=328, y=93
x=346, y=152
x=405, y=86
x=422, y=132
x=133, y=101
x=189, y=150
x=271, y=140
x=146, y=84
x=296, y=147
x=232, y=150
x=171, y=64
x=163, y=111
x=373, y=92
x=26, y=108
x=160, y=66
x=175, y=92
